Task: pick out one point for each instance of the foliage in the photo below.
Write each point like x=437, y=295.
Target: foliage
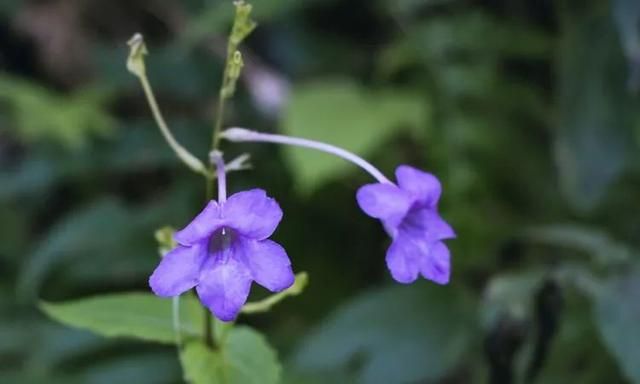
x=389, y=345
x=140, y=315
x=367, y=120
x=40, y=114
x=617, y=312
x=245, y=357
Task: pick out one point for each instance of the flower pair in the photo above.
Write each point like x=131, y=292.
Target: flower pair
x=226, y=247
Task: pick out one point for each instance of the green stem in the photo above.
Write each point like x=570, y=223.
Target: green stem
x=184, y=155
x=208, y=335
x=217, y=126
x=175, y=311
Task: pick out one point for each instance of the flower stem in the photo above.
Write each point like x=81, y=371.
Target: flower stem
x=242, y=27
x=183, y=154
x=241, y=134
x=216, y=156
x=175, y=316
x=217, y=125
x=208, y=334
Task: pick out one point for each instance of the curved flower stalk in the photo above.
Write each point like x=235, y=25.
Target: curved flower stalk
x=408, y=210
x=136, y=65
x=224, y=249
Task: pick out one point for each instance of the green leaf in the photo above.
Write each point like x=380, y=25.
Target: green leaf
x=599, y=245
x=41, y=114
x=576, y=354
x=140, y=368
x=75, y=236
x=244, y=357
x=402, y=334
x=138, y=147
x=617, y=313
x=627, y=17
x=137, y=315
x=342, y=113
x=592, y=144
x=123, y=250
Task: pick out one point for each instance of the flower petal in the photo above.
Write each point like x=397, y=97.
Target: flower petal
x=202, y=226
x=252, y=213
x=426, y=224
x=423, y=185
x=224, y=286
x=178, y=271
x=403, y=259
x=384, y=201
x=437, y=265
x=269, y=264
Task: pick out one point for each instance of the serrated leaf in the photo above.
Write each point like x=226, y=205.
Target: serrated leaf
x=349, y=116
x=136, y=315
x=399, y=335
x=244, y=357
x=617, y=313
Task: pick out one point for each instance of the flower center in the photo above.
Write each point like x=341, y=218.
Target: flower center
x=221, y=243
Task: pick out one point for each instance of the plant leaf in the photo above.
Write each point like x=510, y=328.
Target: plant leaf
x=244, y=357
x=41, y=114
x=617, y=313
x=355, y=118
x=401, y=334
x=137, y=315
x=592, y=144
x=76, y=235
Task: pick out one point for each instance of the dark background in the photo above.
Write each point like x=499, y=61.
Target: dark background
x=527, y=111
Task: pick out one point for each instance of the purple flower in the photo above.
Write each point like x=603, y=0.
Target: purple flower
x=409, y=212
x=223, y=250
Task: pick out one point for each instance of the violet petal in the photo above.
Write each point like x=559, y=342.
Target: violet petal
x=269, y=264
x=252, y=214
x=202, y=226
x=178, y=271
x=384, y=201
x=437, y=265
x=423, y=185
x=403, y=259
x=224, y=286
x=426, y=224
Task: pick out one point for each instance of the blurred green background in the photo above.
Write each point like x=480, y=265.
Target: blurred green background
x=526, y=109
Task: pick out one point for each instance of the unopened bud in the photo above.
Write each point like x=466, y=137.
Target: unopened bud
x=137, y=51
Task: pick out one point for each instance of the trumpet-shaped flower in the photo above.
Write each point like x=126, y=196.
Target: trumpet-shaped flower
x=223, y=250
x=409, y=213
